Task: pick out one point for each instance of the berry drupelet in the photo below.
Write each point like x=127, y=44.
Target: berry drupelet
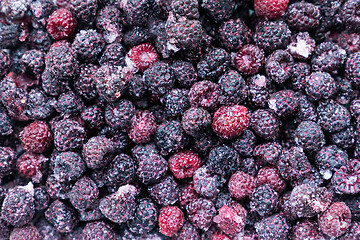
x=7, y=156
x=233, y=34
x=335, y=220
x=84, y=10
x=166, y=192
x=176, y=102
x=61, y=216
x=159, y=78
x=171, y=219
x=223, y=160
x=309, y=136
x=264, y=123
x=303, y=16
x=68, y=135
x=97, y=152
x=170, y=137
x=213, y=64
x=83, y=194
x=36, y=137
x=97, y=230
x=231, y=220
x=200, y=213
x=184, y=73
x=241, y=185
x=5, y=63
x=145, y=217
x=87, y=45
x=122, y=170
x=273, y=227
x=270, y=9
x=233, y=88
x=30, y=165
x=184, y=164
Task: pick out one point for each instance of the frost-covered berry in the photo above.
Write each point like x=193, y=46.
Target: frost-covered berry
x=36, y=137
x=335, y=220
x=171, y=219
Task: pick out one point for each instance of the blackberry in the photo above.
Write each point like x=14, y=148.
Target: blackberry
x=223, y=160
x=264, y=200
x=200, y=213
x=4, y=229
x=233, y=34
x=213, y=64
x=184, y=73
x=6, y=127
x=46, y=230
x=293, y=164
x=188, y=9
x=346, y=179
x=344, y=139
x=25, y=233
x=51, y=84
x=121, y=170
x=329, y=159
x=137, y=87
x=245, y=143
x=349, y=14
x=278, y=66
x=226, y=222
x=205, y=183
x=335, y=220
x=39, y=39
x=15, y=10
x=249, y=166
x=233, y=88
x=41, y=9
x=33, y=62
x=118, y=114
x=272, y=35
x=328, y=57
x=30, y=165
x=333, y=117
x=249, y=59
x=41, y=198
x=83, y=194
x=302, y=46
x=151, y=167
x=67, y=166
x=176, y=102
x=113, y=54
x=170, y=137
x=85, y=83
x=320, y=85
x=307, y=200
x=283, y=102
x=39, y=106
x=69, y=103
x=36, y=137
x=88, y=44
x=159, y=78
x=108, y=20
x=166, y=192
x=84, y=10
x=171, y=219
x=97, y=230
x=188, y=231
x=352, y=68
x=241, y=185
x=145, y=217
x=68, y=135
x=93, y=116
x=136, y=12
x=300, y=71
x=135, y=36
x=267, y=153
x=57, y=188
x=306, y=110
x=195, y=120
x=120, y=206
x=264, y=123
x=203, y=144
x=273, y=227
x=353, y=203
x=306, y=229
x=97, y=152
x=353, y=231
x=61, y=216
x=5, y=63
x=204, y=94
x=303, y=16
x=258, y=90
x=218, y=10
x=9, y=35
x=271, y=176
x=187, y=195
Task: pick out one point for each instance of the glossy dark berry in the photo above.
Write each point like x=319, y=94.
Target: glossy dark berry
x=213, y=64
x=151, y=167
x=159, y=78
x=233, y=88
x=264, y=123
x=218, y=10
x=118, y=114
x=93, y=116
x=320, y=85
x=333, y=117
x=9, y=35
x=113, y=54
x=267, y=153
x=184, y=73
x=352, y=68
x=135, y=36
x=344, y=139
x=87, y=45
x=349, y=14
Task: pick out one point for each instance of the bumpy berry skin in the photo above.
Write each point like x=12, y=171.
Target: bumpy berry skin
x=283, y=102
x=184, y=73
x=151, y=167
x=272, y=35
x=39, y=106
x=25, y=233
x=234, y=34
x=61, y=24
x=303, y=16
x=320, y=85
x=142, y=56
x=9, y=35
x=135, y=36
x=56, y=188
x=166, y=192
x=241, y=185
x=333, y=117
x=32, y=62
x=200, y=213
x=97, y=152
x=249, y=59
x=18, y=206
x=267, y=153
x=67, y=166
x=344, y=139
x=233, y=88
x=170, y=137
x=245, y=143
x=93, y=116
x=229, y=122
x=187, y=195
x=83, y=194
x=88, y=44
x=97, y=230
x=309, y=136
x=159, y=78
x=273, y=227
x=113, y=54
x=306, y=229
x=301, y=46
x=223, y=160
x=69, y=103
x=84, y=10
x=41, y=198
x=218, y=10
x=213, y=64
x=136, y=12
x=349, y=14
x=118, y=114
x=30, y=165
x=188, y=9
x=335, y=220
x=195, y=121
x=109, y=82
x=184, y=164
x=278, y=66
x=142, y=127
x=36, y=137
x=264, y=123
x=270, y=9
x=271, y=176
x=346, y=179
x=68, y=135
x=171, y=219
x=7, y=156
x=205, y=183
x=352, y=68
x=145, y=217
x=61, y=216
x=176, y=102
x=6, y=127
x=329, y=159
x=5, y=63
x=121, y=171
x=264, y=200
x=204, y=94
x=328, y=57
x=231, y=220
x=108, y=22
x=293, y=164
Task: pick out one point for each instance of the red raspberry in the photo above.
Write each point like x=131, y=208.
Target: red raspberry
x=335, y=220
x=271, y=176
x=230, y=121
x=187, y=195
x=231, y=220
x=36, y=137
x=270, y=9
x=142, y=56
x=143, y=127
x=171, y=219
x=29, y=165
x=241, y=185
x=61, y=24
x=184, y=164
x=249, y=60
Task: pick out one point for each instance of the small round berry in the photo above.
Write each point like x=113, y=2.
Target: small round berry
x=84, y=10
x=233, y=88
x=283, y=102
x=352, y=68
x=170, y=137
x=349, y=14
x=213, y=64
x=270, y=9
x=171, y=219
x=88, y=44
x=83, y=194
x=204, y=94
x=142, y=56
x=142, y=127
x=67, y=166
x=234, y=34
x=97, y=230
x=200, y=213
x=42, y=198
x=36, y=137
x=231, y=220
x=184, y=73
x=264, y=123
x=271, y=176
x=264, y=200
x=328, y=57
x=159, y=78
x=303, y=16
x=335, y=220
x=195, y=121
x=166, y=192
x=25, y=233
x=30, y=165
x=145, y=217
x=241, y=185
x=176, y=102
x=273, y=227
x=320, y=85
x=69, y=103
x=279, y=66
x=184, y=164
x=61, y=24
x=306, y=229
x=68, y=135
x=118, y=114
x=271, y=35
x=249, y=59
x=61, y=216
x=346, y=180
x=93, y=116
x=97, y=152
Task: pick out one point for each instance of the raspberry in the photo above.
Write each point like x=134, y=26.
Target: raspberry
x=25, y=233
x=270, y=9
x=109, y=82
x=283, y=102
x=303, y=16
x=188, y=231
x=264, y=123
x=121, y=171
x=159, y=78
x=293, y=164
x=170, y=137
x=68, y=135
x=320, y=85
x=301, y=46
x=136, y=12
x=118, y=114
x=5, y=63
x=204, y=94
x=176, y=102
x=120, y=206
x=97, y=152
x=88, y=44
x=7, y=156
x=278, y=66
x=145, y=217
x=186, y=8
x=328, y=57
x=349, y=41
x=333, y=117
x=171, y=219
x=166, y=192
x=36, y=137
x=135, y=36
x=42, y=198
x=346, y=179
x=113, y=54
x=93, y=116
x=344, y=139
x=267, y=153
x=137, y=87
x=67, y=166
x=142, y=56
x=61, y=24
x=84, y=10
x=200, y=213
x=205, y=183
x=231, y=220
x=272, y=35
x=9, y=35
x=184, y=164
x=18, y=206
x=83, y=193
x=229, y=122
x=233, y=88
x=97, y=230
x=218, y=10
x=306, y=229
x=271, y=176
x=264, y=200
x=335, y=220
x=223, y=160
x=30, y=165
x=69, y=103
x=241, y=185
x=245, y=143
x=349, y=14
x=273, y=227
x=187, y=195
x=249, y=59
x=61, y=216
x=213, y=64
x=329, y=159
x=352, y=68
x=233, y=34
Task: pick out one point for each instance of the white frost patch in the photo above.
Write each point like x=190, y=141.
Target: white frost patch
x=260, y=81
x=327, y=174
x=127, y=190
x=29, y=187
x=301, y=48
x=272, y=104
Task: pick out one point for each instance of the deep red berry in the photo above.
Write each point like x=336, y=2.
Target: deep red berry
x=241, y=185
x=335, y=220
x=61, y=24
x=142, y=127
x=231, y=220
x=171, y=219
x=270, y=175
x=30, y=165
x=184, y=164
x=142, y=56
x=230, y=121
x=36, y=137
x=270, y=9
x=250, y=59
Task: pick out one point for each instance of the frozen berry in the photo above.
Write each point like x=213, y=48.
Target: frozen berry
x=267, y=153
x=279, y=66
x=171, y=219
x=309, y=136
x=333, y=117
x=303, y=16
x=159, y=78
x=273, y=227
x=84, y=10
x=270, y=10
x=271, y=176
x=68, y=135
x=25, y=233
x=306, y=229
x=302, y=46
x=223, y=160
x=97, y=152
x=328, y=57
x=145, y=217
x=346, y=180
x=118, y=114
x=204, y=94
x=231, y=220
x=61, y=24
x=88, y=44
x=7, y=156
x=93, y=116
x=329, y=159
x=176, y=102
x=272, y=35
x=67, y=166
x=249, y=59
x=195, y=121
x=97, y=230
x=36, y=137
x=233, y=88
x=283, y=102
x=142, y=127
x=184, y=164
x=30, y=165
x=264, y=123
x=245, y=143
x=170, y=137
x=218, y=10
x=166, y=192
x=350, y=15
x=142, y=56
x=61, y=216
x=200, y=213
x=264, y=200
x=352, y=68
x=184, y=73
x=213, y=64
x=69, y=103
x=42, y=198
x=241, y=185
x=207, y=184
x=83, y=194
x=335, y=220
x=234, y=34
x=5, y=63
